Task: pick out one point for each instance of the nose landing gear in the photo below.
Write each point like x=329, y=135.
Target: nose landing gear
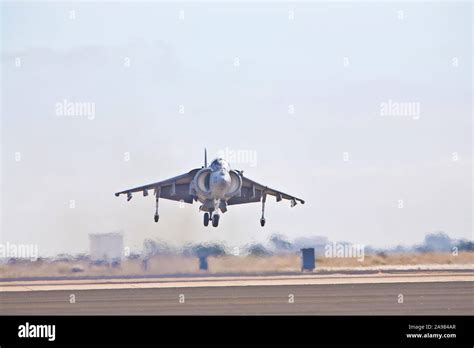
x=215, y=220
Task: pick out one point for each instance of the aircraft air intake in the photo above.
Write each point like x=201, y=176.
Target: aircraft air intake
x=202, y=182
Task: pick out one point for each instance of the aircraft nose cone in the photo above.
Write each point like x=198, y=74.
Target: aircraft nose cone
x=224, y=178
x=221, y=180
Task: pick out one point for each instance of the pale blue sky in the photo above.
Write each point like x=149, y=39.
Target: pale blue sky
x=282, y=62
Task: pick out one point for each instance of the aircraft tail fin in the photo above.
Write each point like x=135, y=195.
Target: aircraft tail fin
x=205, y=158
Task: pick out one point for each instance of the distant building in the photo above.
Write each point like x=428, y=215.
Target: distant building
x=106, y=246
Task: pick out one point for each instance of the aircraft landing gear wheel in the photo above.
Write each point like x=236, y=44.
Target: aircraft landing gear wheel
x=262, y=222
x=215, y=220
x=157, y=217
x=206, y=219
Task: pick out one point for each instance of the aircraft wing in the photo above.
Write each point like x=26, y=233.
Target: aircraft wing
x=176, y=188
x=253, y=192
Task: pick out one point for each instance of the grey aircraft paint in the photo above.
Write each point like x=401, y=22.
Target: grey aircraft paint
x=215, y=186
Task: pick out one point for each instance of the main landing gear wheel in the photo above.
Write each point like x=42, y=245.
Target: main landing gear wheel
x=206, y=219
x=215, y=220
x=157, y=217
x=262, y=222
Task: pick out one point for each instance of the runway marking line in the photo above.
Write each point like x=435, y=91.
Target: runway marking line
x=235, y=281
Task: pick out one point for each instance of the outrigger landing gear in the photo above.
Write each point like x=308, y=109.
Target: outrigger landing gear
x=157, y=195
x=206, y=219
x=262, y=219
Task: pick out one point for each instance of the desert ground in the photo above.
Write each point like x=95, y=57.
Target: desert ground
x=286, y=263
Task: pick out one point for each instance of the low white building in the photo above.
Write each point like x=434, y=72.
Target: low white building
x=106, y=246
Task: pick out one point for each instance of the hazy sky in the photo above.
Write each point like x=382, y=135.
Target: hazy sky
x=300, y=86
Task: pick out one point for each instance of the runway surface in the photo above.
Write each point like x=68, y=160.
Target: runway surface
x=307, y=294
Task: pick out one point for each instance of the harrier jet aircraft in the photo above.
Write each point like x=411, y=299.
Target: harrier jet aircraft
x=216, y=186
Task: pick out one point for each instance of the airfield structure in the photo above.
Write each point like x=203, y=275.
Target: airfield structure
x=203, y=266
x=307, y=259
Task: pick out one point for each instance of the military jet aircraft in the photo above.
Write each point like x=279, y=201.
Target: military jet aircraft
x=216, y=186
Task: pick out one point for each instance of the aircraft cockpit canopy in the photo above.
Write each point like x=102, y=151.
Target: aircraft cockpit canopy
x=219, y=163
